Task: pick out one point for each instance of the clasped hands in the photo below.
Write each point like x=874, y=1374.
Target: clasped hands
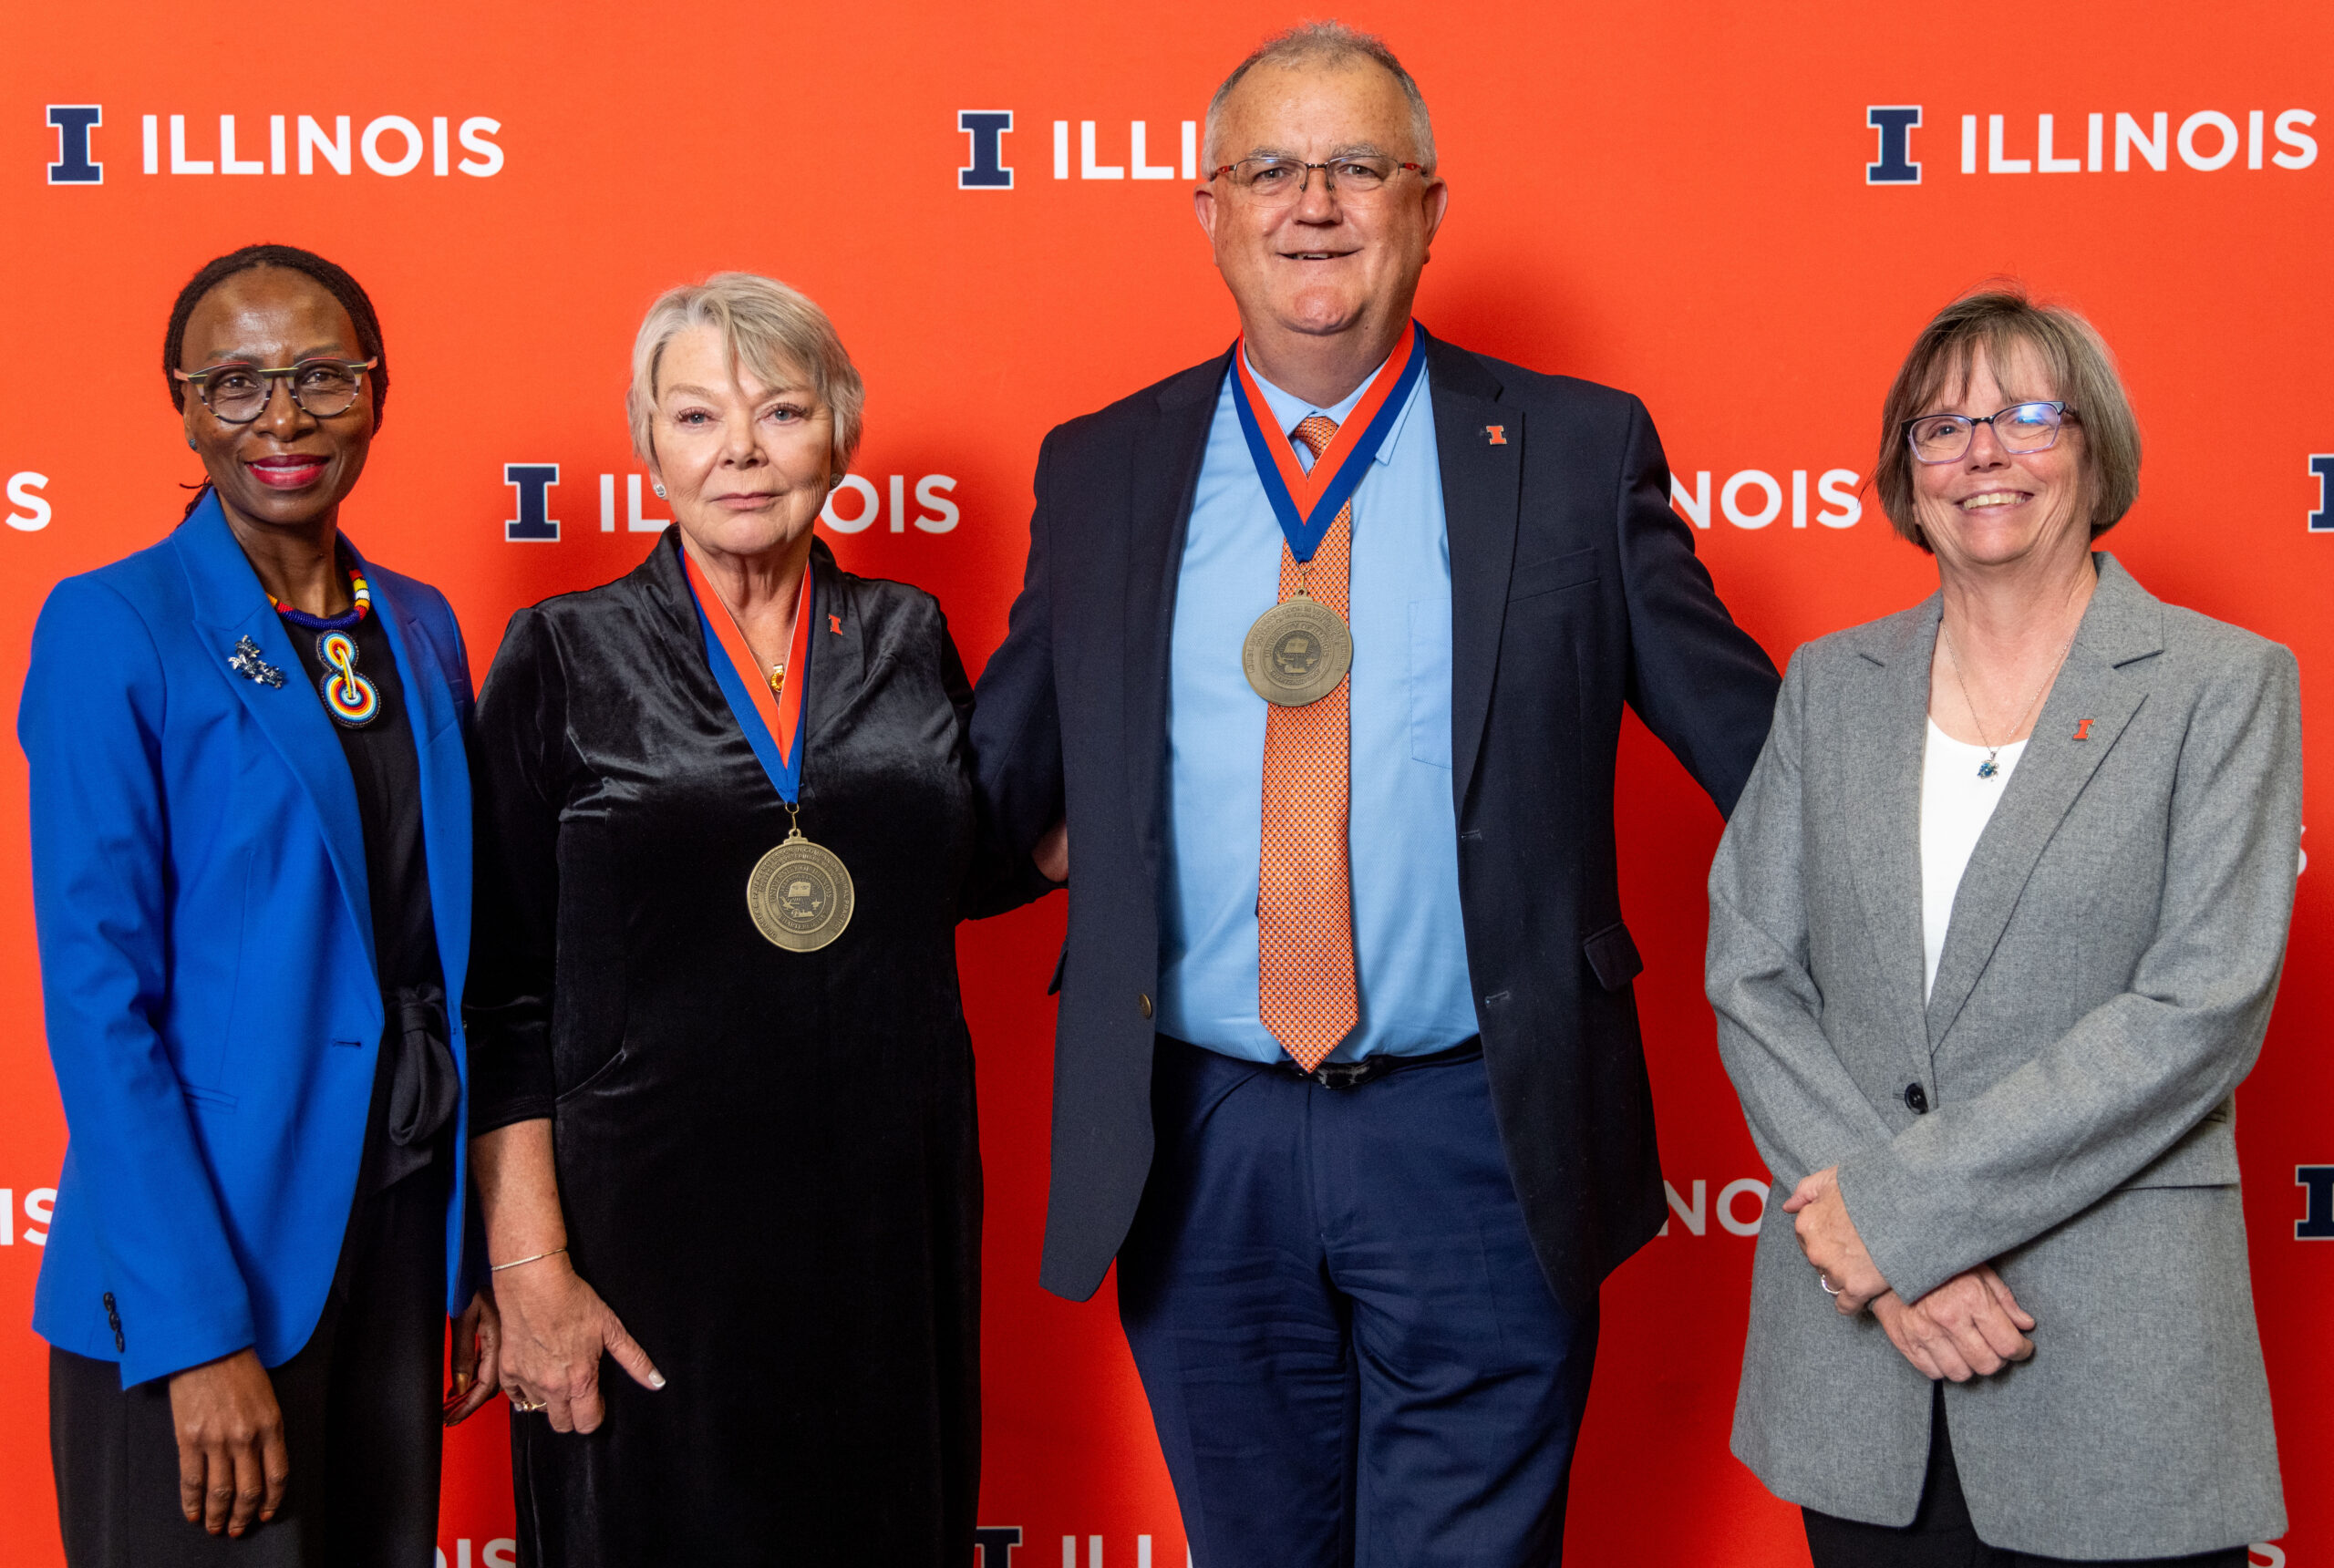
x=1971, y=1326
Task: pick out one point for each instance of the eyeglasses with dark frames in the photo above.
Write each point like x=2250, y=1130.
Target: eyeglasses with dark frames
x=2021, y=427
x=237, y=393
x=1278, y=182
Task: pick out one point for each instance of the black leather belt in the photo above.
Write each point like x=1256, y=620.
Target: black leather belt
x=1353, y=1074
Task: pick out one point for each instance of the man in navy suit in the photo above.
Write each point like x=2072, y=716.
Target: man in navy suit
x=1349, y=1077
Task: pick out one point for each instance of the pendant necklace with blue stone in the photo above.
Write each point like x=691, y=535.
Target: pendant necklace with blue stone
x=351, y=699
x=1989, y=767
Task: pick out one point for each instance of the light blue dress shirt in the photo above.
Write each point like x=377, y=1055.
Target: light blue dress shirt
x=1411, y=954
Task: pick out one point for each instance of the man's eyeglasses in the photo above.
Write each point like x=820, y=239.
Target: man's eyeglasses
x=1278, y=182
x=2021, y=427
x=236, y=393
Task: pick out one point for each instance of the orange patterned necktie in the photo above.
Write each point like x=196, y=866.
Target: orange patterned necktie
x=1305, y=970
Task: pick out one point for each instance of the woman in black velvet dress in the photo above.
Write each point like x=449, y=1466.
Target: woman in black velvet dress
x=747, y=1174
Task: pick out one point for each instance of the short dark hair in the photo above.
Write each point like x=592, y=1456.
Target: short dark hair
x=335, y=281
x=1998, y=319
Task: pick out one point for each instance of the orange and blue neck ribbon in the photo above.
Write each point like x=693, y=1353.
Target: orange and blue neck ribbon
x=771, y=719
x=1308, y=502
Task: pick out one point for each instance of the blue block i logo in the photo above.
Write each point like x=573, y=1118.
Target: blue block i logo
x=74, y=166
x=987, y=171
x=2316, y=1221
x=534, y=524
x=1895, y=122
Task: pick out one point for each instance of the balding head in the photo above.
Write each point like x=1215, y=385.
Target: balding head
x=1324, y=260
x=1328, y=46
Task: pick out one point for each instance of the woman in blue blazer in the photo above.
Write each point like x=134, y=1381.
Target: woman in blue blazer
x=251, y=832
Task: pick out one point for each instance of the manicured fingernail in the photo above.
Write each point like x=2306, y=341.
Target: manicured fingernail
x=656, y=1379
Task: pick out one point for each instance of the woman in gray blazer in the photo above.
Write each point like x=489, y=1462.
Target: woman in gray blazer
x=1994, y=936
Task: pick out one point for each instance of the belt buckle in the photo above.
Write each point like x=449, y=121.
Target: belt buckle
x=1344, y=1075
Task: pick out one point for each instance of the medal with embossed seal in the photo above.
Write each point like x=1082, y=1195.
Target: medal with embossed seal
x=1300, y=649
x=800, y=895
x=1298, y=652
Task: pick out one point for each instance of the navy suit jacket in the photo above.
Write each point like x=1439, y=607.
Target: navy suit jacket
x=206, y=948
x=1573, y=588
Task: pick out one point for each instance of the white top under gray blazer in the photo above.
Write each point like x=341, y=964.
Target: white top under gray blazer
x=2106, y=980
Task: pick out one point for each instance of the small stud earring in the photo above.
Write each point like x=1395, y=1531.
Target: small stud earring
x=659, y=488
x=190, y=446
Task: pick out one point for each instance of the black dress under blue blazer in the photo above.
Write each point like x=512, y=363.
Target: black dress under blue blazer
x=206, y=947
x=1574, y=590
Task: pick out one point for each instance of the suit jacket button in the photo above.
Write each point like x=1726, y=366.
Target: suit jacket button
x=1142, y=1003
x=1917, y=1098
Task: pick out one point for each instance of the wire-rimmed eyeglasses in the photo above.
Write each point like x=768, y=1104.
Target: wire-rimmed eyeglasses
x=2021, y=427
x=237, y=393
x=1278, y=182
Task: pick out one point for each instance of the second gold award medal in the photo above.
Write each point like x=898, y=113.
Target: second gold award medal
x=1299, y=650
x=799, y=893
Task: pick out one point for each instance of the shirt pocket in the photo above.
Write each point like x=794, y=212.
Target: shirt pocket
x=1430, y=682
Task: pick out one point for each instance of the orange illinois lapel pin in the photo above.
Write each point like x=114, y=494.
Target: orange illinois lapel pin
x=2082, y=730
x=1496, y=435
x=834, y=623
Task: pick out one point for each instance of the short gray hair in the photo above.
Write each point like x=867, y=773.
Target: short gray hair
x=1326, y=43
x=1998, y=319
x=767, y=327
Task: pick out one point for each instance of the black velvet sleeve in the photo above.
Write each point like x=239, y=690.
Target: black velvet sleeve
x=518, y=762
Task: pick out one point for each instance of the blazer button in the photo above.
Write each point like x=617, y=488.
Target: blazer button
x=1142, y=1003
x=1917, y=1098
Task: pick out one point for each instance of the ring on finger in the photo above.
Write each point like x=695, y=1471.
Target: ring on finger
x=1824, y=1279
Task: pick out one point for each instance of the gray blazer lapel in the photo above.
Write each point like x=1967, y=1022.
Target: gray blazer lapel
x=2105, y=680
x=1883, y=728
x=1482, y=491
x=1165, y=476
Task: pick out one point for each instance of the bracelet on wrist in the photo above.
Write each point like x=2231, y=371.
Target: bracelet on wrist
x=514, y=1262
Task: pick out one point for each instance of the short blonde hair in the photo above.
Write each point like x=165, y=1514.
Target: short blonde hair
x=767, y=327
x=1996, y=320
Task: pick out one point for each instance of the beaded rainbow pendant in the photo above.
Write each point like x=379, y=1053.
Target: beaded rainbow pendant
x=349, y=697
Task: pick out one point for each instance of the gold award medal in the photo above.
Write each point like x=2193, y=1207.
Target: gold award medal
x=1298, y=652
x=800, y=895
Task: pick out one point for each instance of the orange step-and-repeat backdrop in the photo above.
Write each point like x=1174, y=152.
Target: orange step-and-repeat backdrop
x=1741, y=213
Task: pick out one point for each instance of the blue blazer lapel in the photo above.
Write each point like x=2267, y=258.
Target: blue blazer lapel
x=230, y=604
x=438, y=744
